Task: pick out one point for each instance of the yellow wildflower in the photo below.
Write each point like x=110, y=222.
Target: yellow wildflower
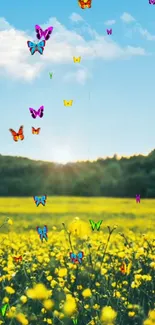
x=22, y=319
x=10, y=290
x=23, y=299
x=39, y=292
x=48, y=304
x=70, y=305
x=86, y=293
x=108, y=315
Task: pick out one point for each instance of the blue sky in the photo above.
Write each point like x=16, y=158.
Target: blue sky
x=112, y=88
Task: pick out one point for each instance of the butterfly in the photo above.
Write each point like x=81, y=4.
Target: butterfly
x=39, y=112
x=125, y=269
x=17, y=135
x=109, y=31
x=77, y=258
x=75, y=321
x=138, y=198
x=17, y=259
x=40, y=200
x=36, y=47
x=42, y=232
x=152, y=2
x=77, y=60
x=35, y=131
x=68, y=102
x=85, y=3
x=96, y=225
x=51, y=75
x=4, y=309
x=46, y=33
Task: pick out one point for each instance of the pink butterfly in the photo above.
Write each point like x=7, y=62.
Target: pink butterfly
x=35, y=113
x=46, y=33
x=109, y=31
x=152, y=2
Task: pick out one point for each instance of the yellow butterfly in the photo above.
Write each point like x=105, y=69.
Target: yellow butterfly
x=77, y=60
x=68, y=102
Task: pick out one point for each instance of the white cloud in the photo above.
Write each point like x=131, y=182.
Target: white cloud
x=110, y=22
x=127, y=18
x=80, y=76
x=145, y=33
x=75, y=17
x=16, y=60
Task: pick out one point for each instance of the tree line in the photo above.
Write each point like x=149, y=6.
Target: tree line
x=110, y=177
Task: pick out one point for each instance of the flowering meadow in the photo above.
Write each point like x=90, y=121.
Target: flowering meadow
x=114, y=284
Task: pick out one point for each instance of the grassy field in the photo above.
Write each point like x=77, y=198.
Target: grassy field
x=115, y=284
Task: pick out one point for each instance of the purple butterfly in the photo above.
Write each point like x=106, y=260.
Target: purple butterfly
x=138, y=198
x=46, y=33
x=152, y=2
x=35, y=113
x=109, y=31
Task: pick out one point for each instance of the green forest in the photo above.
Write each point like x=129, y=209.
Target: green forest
x=110, y=177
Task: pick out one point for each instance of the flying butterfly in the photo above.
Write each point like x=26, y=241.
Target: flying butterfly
x=109, y=31
x=68, y=102
x=77, y=59
x=152, y=2
x=43, y=33
x=39, y=112
x=40, y=200
x=77, y=258
x=35, y=131
x=17, y=135
x=39, y=47
x=42, y=232
x=85, y=3
x=17, y=259
x=96, y=225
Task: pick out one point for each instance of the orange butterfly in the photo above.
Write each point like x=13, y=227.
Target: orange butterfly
x=35, y=131
x=123, y=268
x=19, y=135
x=17, y=259
x=84, y=3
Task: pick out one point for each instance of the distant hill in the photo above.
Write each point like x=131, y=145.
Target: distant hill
x=124, y=177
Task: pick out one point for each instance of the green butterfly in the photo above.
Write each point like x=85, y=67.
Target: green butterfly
x=96, y=225
x=51, y=75
x=75, y=321
x=4, y=309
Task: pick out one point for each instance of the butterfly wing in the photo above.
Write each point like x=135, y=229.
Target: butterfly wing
x=39, y=31
x=40, y=111
x=20, y=133
x=14, y=134
x=98, y=225
x=4, y=309
x=93, y=224
x=33, y=112
x=43, y=200
x=71, y=102
x=80, y=256
x=40, y=47
x=65, y=102
x=73, y=257
x=45, y=231
x=37, y=200
x=40, y=232
x=48, y=32
x=32, y=47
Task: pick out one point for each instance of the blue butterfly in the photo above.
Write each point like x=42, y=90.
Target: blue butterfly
x=40, y=200
x=42, y=233
x=36, y=47
x=76, y=258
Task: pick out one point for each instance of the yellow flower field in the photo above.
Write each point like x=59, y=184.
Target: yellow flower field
x=114, y=284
